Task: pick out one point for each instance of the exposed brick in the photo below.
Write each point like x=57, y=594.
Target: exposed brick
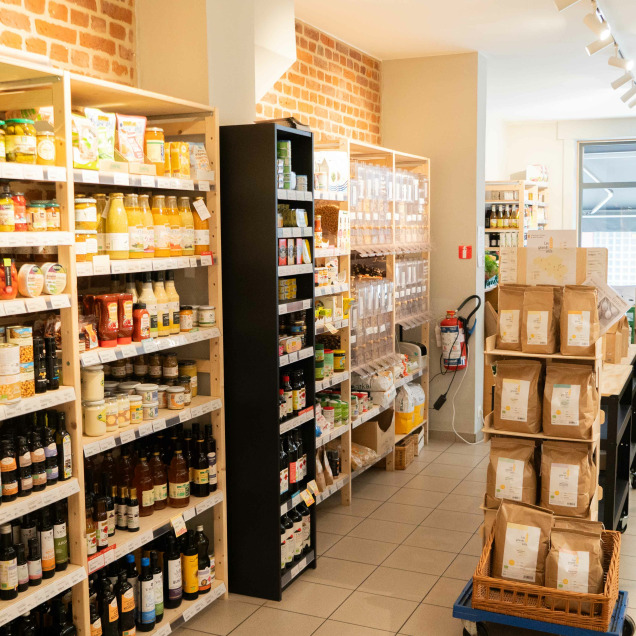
x=35, y=6
x=80, y=59
x=17, y=3
x=101, y=64
x=305, y=108
x=327, y=41
x=10, y=39
x=58, y=11
x=116, y=12
x=35, y=45
x=87, y=4
x=59, y=53
x=305, y=56
x=125, y=53
x=98, y=24
x=119, y=69
x=270, y=98
x=56, y=31
x=299, y=80
x=311, y=33
x=96, y=43
x=311, y=47
x=355, y=55
x=15, y=20
x=341, y=47
x=79, y=18
x=117, y=31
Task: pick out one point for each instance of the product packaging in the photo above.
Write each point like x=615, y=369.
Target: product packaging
x=517, y=397
x=130, y=137
x=580, y=327
x=105, y=125
x=511, y=471
x=540, y=319
x=509, y=317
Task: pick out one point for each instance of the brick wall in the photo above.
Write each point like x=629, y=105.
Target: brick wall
x=332, y=86
x=92, y=37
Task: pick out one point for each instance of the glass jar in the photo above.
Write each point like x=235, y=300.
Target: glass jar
x=155, y=148
x=170, y=366
x=85, y=213
x=140, y=368
x=154, y=367
x=339, y=360
x=52, y=216
x=189, y=368
x=207, y=316
x=184, y=381
x=128, y=387
x=92, y=380
x=45, y=148
x=148, y=393
x=7, y=212
x=20, y=141
x=112, y=412
x=123, y=409
x=36, y=216
x=80, y=246
x=186, y=316
x=136, y=409
x=3, y=151
x=176, y=397
x=20, y=211
x=94, y=418
x=150, y=411
x=162, y=398
x=118, y=370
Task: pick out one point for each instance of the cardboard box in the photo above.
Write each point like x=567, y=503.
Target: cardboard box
x=378, y=435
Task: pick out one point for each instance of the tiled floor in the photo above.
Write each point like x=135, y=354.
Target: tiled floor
x=391, y=563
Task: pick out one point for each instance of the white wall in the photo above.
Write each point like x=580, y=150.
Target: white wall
x=435, y=107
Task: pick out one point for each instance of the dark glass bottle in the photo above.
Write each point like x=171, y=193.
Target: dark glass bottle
x=9, y=468
x=24, y=467
x=306, y=515
x=8, y=565
x=108, y=610
x=28, y=529
x=23, y=568
x=297, y=522
x=100, y=516
x=300, y=462
x=157, y=584
x=64, y=451
x=284, y=471
x=172, y=583
x=159, y=479
x=188, y=452
x=39, y=365
x=289, y=540
x=60, y=537
x=96, y=621
x=52, y=370
x=202, y=544
x=110, y=494
x=282, y=406
x=50, y=454
x=121, y=509
x=47, y=544
x=211, y=451
x=34, y=563
x=64, y=620
x=178, y=480
x=132, y=576
x=288, y=393
x=200, y=470
x=125, y=606
x=146, y=608
x=38, y=462
x=27, y=625
x=283, y=547
x=190, y=568
x=15, y=530
x=292, y=461
x=132, y=511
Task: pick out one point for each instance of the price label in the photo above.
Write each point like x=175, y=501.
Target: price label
x=147, y=181
x=175, y=184
x=306, y=353
x=89, y=176
x=12, y=307
x=107, y=444
x=95, y=563
x=146, y=537
x=189, y=513
x=164, y=631
x=293, y=357
x=295, y=500
x=55, y=173
x=101, y=265
x=118, y=267
x=193, y=261
x=202, y=209
x=307, y=497
x=178, y=525
x=187, y=184
x=107, y=355
x=129, y=351
x=121, y=178
x=127, y=436
x=84, y=269
x=61, y=301
x=185, y=415
x=150, y=346
x=163, y=182
x=204, y=186
x=33, y=172
x=216, y=404
x=145, y=429
x=109, y=555
x=331, y=328
x=158, y=425
x=89, y=358
x=12, y=171
x=206, y=259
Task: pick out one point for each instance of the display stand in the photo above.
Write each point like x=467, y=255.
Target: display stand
x=31, y=86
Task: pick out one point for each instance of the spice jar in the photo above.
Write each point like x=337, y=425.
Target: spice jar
x=94, y=416
x=92, y=380
x=187, y=322
x=20, y=211
x=161, y=396
x=52, y=216
x=136, y=409
x=189, y=368
x=7, y=211
x=207, y=316
x=170, y=366
x=184, y=381
x=45, y=148
x=112, y=411
x=176, y=397
x=36, y=216
x=20, y=141
x=85, y=213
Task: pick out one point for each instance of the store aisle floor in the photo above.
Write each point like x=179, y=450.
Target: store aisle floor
x=391, y=563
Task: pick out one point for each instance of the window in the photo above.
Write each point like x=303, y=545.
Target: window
x=607, y=205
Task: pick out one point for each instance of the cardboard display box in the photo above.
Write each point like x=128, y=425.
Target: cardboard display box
x=379, y=434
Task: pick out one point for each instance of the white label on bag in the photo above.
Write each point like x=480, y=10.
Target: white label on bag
x=573, y=571
x=509, y=479
x=509, y=325
x=514, y=400
x=564, y=485
x=521, y=551
x=564, y=407
x=578, y=328
x=537, y=328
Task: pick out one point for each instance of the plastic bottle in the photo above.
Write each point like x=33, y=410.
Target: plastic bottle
x=157, y=585
x=201, y=231
x=159, y=480
x=161, y=221
x=163, y=305
x=178, y=480
x=131, y=288
x=135, y=226
x=47, y=545
x=8, y=565
x=125, y=606
x=190, y=568
x=146, y=608
x=172, y=584
x=148, y=226
x=176, y=226
x=187, y=222
x=173, y=303
x=117, y=241
x=148, y=297
x=145, y=486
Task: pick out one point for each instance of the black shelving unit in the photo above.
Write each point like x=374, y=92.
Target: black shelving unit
x=249, y=207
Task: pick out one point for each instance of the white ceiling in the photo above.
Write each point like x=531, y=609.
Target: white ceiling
x=537, y=64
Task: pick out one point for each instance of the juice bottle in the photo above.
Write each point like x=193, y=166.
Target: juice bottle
x=145, y=485
x=148, y=226
x=187, y=220
x=163, y=304
x=176, y=226
x=161, y=220
x=117, y=241
x=135, y=226
x=178, y=480
x=101, y=204
x=201, y=232
x=148, y=297
x=173, y=302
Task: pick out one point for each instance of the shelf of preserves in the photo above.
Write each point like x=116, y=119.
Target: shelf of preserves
x=334, y=434
x=37, y=595
x=33, y=305
x=343, y=480
x=108, y=354
x=24, y=172
x=38, y=402
x=296, y=305
x=288, y=358
x=329, y=290
x=294, y=232
x=294, y=195
x=23, y=505
x=335, y=379
x=297, y=421
x=294, y=270
x=289, y=576
x=156, y=525
x=145, y=265
x=127, y=179
x=335, y=325
x=35, y=239
x=200, y=405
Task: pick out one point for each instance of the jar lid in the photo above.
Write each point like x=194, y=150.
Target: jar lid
x=154, y=129
x=85, y=232
x=151, y=405
x=36, y=204
x=1, y=122
x=19, y=121
x=95, y=403
x=128, y=385
x=134, y=398
x=95, y=367
x=52, y=204
x=147, y=387
x=186, y=363
x=162, y=387
x=328, y=351
x=319, y=346
x=204, y=307
x=327, y=408
x=175, y=389
x=80, y=200
x=339, y=351
x=111, y=398
x=186, y=307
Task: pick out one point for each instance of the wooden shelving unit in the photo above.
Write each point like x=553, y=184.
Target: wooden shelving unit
x=31, y=86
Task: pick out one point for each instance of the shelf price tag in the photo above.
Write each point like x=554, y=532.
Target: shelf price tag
x=107, y=355
x=306, y=497
x=121, y=178
x=145, y=429
x=204, y=186
x=206, y=259
x=101, y=265
x=60, y=302
x=89, y=358
x=129, y=351
x=55, y=173
x=147, y=181
x=158, y=425
x=107, y=444
x=178, y=524
x=163, y=183
x=89, y=176
x=164, y=631
x=127, y=436
x=150, y=346
x=95, y=563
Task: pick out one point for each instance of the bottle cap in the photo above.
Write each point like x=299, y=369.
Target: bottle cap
x=199, y=528
x=145, y=561
x=130, y=558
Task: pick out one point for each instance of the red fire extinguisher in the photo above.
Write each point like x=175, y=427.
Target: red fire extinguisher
x=454, y=351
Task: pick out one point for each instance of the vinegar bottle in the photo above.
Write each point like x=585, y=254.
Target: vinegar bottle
x=108, y=610
x=200, y=469
x=125, y=606
x=159, y=480
x=178, y=480
x=157, y=583
x=8, y=565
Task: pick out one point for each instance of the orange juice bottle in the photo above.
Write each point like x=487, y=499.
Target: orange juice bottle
x=135, y=226
x=176, y=227
x=161, y=220
x=148, y=226
x=201, y=232
x=187, y=235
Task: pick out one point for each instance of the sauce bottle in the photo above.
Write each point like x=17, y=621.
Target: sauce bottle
x=141, y=323
x=63, y=443
x=60, y=538
x=187, y=222
x=190, y=568
x=148, y=224
x=200, y=469
x=178, y=480
x=125, y=606
x=163, y=305
x=159, y=480
x=175, y=226
x=161, y=222
x=146, y=614
x=145, y=486
x=23, y=568
x=284, y=469
x=157, y=584
x=8, y=565
x=132, y=511
x=298, y=392
x=135, y=226
x=292, y=459
x=201, y=231
x=117, y=241
x=34, y=563
x=47, y=545
x=172, y=585
x=173, y=302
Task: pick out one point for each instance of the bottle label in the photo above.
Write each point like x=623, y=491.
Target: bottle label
x=188, y=238
x=26, y=483
x=179, y=491
x=202, y=237
x=24, y=460
x=175, y=237
x=170, y=372
x=129, y=632
x=212, y=468
x=39, y=479
x=202, y=477
x=284, y=480
x=50, y=450
x=190, y=567
x=289, y=540
x=9, y=574
x=102, y=533
x=157, y=586
x=149, y=239
x=47, y=548
x=174, y=579
x=147, y=605
x=96, y=628
x=298, y=538
x=132, y=513
x=111, y=522
x=35, y=570
x=113, y=611
x=136, y=239
x=161, y=492
x=128, y=601
x=163, y=317
x=23, y=574
x=162, y=237
x=117, y=242
x=11, y=487
x=122, y=520
x=293, y=477
x=283, y=551
x=154, y=371
x=91, y=542
x=52, y=472
x=8, y=463
x=148, y=498
x=205, y=579
x=60, y=543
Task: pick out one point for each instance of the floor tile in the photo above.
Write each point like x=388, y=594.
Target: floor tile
x=453, y=459
x=361, y=550
x=430, y=620
x=324, y=540
x=474, y=546
x=345, y=574
x=445, y=591
x=628, y=567
x=415, y=468
x=380, y=530
x=466, y=503
x=377, y=492
x=336, y=628
x=267, y=620
x=463, y=567
x=414, y=497
x=444, y=470
x=628, y=545
x=472, y=488
x=336, y=524
x=438, y=539
x=426, y=457
x=252, y=600
x=395, y=478
x=411, y=586
x=401, y=513
x=434, y=484
x=449, y=519
x=437, y=445
x=312, y=599
x=373, y=610
x=422, y=560
x=477, y=474
x=477, y=450
x=222, y=616
x=358, y=508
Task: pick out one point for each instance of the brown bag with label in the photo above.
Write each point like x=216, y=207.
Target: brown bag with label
x=574, y=564
x=511, y=472
x=539, y=320
x=580, y=326
x=522, y=537
x=509, y=316
x=570, y=401
x=517, y=397
x=580, y=525
x=568, y=478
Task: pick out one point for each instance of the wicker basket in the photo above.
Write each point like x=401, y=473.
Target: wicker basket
x=404, y=454
x=537, y=602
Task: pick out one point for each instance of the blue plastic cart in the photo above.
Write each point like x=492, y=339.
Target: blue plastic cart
x=474, y=620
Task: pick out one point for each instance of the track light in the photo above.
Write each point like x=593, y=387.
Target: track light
x=629, y=94
x=600, y=28
x=561, y=5
x=621, y=62
x=597, y=45
x=623, y=79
